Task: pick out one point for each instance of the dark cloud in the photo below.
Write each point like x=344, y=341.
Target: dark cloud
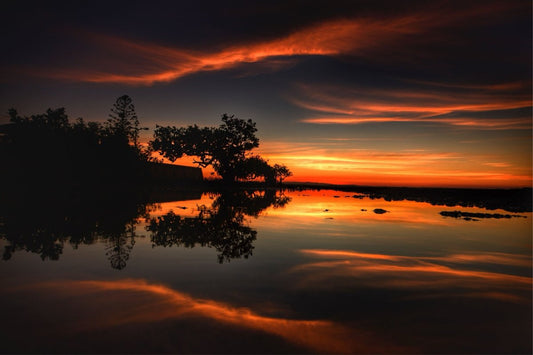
x=462, y=66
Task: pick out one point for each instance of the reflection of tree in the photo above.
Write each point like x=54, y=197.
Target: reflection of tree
x=45, y=223
x=118, y=250
x=220, y=226
x=120, y=242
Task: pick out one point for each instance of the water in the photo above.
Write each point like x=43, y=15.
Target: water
x=265, y=272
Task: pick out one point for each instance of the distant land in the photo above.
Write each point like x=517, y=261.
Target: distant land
x=512, y=199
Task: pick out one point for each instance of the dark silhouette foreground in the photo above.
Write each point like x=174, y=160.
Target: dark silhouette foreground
x=45, y=223
x=47, y=149
x=226, y=148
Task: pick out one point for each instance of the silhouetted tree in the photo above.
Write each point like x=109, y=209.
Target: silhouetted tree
x=253, y=168
x=222, y=147
x=50, y=147
x=281, y=172
x=123, y=120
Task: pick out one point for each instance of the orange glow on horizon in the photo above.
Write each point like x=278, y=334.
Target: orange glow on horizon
x=460, y=180
x=315, y=162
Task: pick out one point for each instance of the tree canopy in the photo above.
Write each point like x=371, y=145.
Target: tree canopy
x=50, y=146
x=227, y=148
x=91, y=150
x=123, y=120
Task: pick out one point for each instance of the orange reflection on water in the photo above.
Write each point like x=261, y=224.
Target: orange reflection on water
x=335, y=210
x=158, y=302
x=399, y=271
x=313, y=206
x=185, y=208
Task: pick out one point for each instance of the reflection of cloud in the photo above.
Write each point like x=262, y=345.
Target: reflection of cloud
x=436, y=274
x=311, y=209
x=166, y=303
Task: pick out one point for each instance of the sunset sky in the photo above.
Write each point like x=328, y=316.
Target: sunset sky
x=401, y=93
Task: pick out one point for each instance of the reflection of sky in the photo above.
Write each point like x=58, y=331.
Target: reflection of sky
x=408, y=226
x=168, y=304
x=368, y=92
x=433, y=275
x=408, y=280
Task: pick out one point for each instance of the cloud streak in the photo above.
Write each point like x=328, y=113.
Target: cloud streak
x=486, y=107
x=356, y=37
x=329, y=38
x=337, y=161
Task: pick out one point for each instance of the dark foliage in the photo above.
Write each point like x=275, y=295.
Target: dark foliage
x=253, y=168
x=226, y=148
x=221, y=226
x=123, y=121
x=44, y=222
x=47, y=149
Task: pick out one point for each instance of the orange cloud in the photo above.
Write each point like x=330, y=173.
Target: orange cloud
x=424, y=104
x=324, y=39
x=357, y=36
x=464, y=122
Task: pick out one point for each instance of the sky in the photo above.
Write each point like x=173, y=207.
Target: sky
x=398, y=93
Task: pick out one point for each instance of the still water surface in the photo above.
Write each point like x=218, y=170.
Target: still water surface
x=267, y=272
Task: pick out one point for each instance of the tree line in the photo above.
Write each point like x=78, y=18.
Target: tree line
x=87, y=151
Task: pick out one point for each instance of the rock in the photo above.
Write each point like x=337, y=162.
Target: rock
x=380, y=211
